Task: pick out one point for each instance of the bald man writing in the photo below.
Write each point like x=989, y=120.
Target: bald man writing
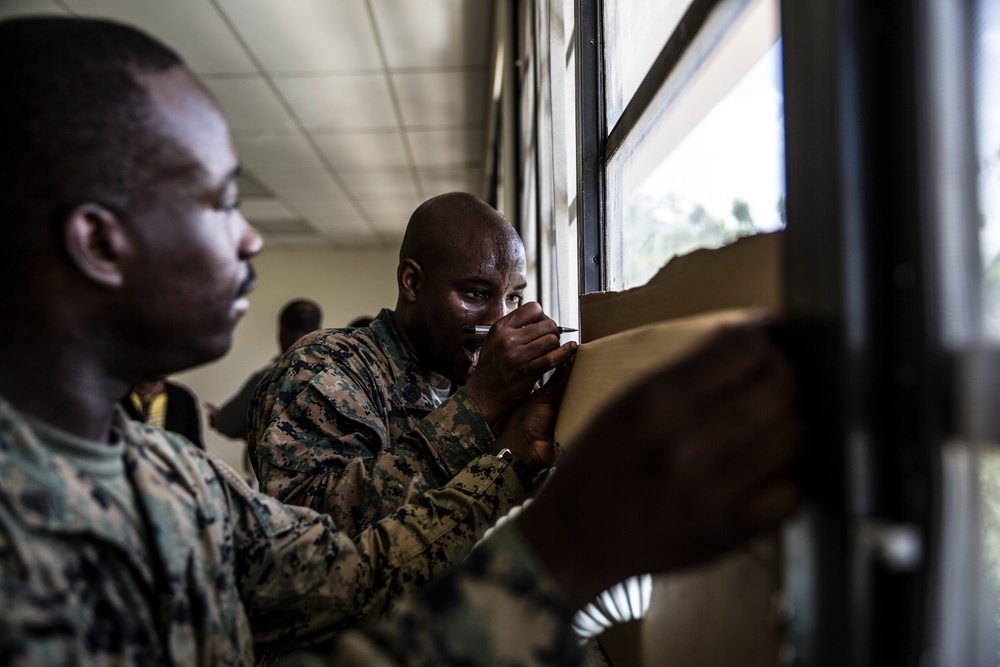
x=357, y=423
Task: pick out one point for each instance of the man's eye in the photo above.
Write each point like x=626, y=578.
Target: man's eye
x=476, y=293
x=516, y=298
x=229, y=206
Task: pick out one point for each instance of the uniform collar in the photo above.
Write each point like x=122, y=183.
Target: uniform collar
x=53, y=496
x=411, y=382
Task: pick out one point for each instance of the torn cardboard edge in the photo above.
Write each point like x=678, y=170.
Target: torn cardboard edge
x=744, y=273
x=606, y=367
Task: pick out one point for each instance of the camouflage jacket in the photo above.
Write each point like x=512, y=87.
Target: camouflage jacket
x=224, y=571
x=345, y=424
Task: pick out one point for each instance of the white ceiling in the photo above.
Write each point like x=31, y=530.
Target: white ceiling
x=346, y=113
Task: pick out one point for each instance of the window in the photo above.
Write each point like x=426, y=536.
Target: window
x=634, y=34
x=725, y=179
x=692, y=140
x=987, y=71
x=987, y=84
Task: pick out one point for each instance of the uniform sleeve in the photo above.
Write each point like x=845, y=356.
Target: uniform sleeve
x=303, y=582
x=324, y=438
x=498, y=607
x=232, y=418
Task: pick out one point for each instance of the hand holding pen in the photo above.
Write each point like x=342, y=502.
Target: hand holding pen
x=521, y=347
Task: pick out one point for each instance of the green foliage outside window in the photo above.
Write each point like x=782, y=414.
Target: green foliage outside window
x=657, y=228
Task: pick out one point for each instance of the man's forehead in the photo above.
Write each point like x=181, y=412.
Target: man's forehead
x=184, y=111
x=489, y=237
x=492, y=261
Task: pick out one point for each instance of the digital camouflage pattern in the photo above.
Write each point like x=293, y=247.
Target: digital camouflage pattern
x=498, y=608
x=224, y=570
x=345, y=424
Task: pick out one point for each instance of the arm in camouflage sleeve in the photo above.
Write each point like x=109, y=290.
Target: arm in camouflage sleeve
x=499, y=607
x=704, y=459
x=324, y=433
x=303, y=582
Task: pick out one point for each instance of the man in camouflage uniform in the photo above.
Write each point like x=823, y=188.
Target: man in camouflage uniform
x=297, y=318
x=359, y=422
x=125, y=257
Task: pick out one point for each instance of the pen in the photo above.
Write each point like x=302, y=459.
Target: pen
x=482, y=329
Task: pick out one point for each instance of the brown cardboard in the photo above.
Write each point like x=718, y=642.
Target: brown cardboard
x=606, y=366
x=745, y=273
x=718, y=615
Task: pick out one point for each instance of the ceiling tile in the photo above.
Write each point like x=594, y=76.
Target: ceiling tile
x=435, y=33
x=277, y=152
x=265, y=208
x=251, y=186
x=368, y=185
x=435, y=181
x=306, y=35
x=316, y=186
x=329, y=215
x=297, y=241
x=390, y=214
x=446, y=148
x=442, y=98
x=391, y=239
x=192, y=27
x=360, y=239
x=342, y=226
x=250, y=104
x=389, y=225
x=9, y=8
x=355, y=101
x=297, y=226
x=363, y=150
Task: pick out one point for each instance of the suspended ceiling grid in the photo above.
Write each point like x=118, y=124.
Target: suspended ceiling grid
x=346, y=113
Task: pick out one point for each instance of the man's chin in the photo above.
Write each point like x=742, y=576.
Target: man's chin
x=462, y=376
x=212, y=350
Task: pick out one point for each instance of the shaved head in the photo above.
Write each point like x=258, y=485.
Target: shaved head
x=298, y=318
x=453, y=224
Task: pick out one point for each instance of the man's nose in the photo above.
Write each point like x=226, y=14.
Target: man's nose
x=497, y=309
x=508, y=306
x=251, y=242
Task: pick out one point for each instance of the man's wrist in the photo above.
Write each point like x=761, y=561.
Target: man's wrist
x=518, y=466
x=490, y=412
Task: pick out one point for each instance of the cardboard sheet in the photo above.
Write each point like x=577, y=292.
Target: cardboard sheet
x=745, y=273
x=605, y=367
x=717, y=615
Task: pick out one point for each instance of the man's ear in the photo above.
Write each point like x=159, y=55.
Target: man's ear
x=410, y=278
x=96, y=241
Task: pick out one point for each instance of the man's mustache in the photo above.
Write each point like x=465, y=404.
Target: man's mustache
x=249, y=282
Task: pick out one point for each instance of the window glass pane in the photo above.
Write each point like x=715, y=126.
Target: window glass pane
x=987, y=86
x=988, y=141
x=635, y=32
x=723, y=180
x=563, y=265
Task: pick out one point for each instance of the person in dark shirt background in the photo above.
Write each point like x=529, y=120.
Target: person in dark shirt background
x=167, y=405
